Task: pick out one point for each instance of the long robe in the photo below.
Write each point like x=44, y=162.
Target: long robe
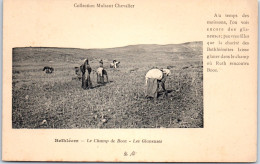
x=100, y=75
x=86, y=81
x=153, y=78
x=152, y=88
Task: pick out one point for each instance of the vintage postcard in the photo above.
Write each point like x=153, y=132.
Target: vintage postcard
x=130, y=81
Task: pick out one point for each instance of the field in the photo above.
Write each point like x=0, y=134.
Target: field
x=57, y=100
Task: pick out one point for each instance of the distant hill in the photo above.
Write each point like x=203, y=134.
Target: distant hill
x=130, y=53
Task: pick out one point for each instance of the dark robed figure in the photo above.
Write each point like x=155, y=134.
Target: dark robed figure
x=86, y=70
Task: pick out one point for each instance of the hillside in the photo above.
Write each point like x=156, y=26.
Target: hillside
x=121, y=102
x=135, y=53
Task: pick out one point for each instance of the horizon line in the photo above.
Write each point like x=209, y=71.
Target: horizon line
x=110, y=47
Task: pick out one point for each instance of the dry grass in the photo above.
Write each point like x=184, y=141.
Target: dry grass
x=59, y=99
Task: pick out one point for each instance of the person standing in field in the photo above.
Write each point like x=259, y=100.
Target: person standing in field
x=100, y=71
x=86, y=70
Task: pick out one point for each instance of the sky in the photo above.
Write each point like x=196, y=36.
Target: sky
x=60, y=24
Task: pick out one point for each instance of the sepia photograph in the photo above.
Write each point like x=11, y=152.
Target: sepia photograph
x=130, y=81
x=135, y=86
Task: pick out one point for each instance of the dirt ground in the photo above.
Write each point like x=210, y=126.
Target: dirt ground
x=57, y=100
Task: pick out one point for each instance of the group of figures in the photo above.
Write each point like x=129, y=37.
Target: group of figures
x=86, y=71
x=154, y=78
x=83, y=73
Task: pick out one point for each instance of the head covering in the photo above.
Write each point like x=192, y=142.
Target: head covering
x=86, y=61
x=167, y=72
